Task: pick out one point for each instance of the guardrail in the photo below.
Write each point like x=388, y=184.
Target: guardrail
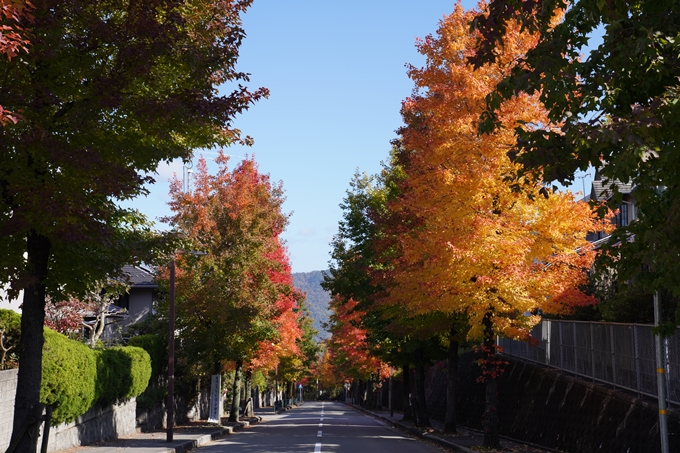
x=621, y=355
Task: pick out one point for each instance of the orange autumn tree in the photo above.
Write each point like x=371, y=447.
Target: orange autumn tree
x=484, y=243
x=230, y=299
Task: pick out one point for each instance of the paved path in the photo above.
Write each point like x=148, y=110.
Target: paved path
x=321, y=427
x=462, y=442
x=315, y=427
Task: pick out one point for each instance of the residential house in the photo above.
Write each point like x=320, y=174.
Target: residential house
x=138, y=301
x=601, y=191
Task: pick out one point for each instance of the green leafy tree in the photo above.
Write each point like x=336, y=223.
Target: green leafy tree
x=107, y=92
x=309, y=348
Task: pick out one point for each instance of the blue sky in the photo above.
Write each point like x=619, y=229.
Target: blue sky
x=337, y=78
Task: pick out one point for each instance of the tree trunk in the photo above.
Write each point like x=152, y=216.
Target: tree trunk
x=490, y=420
x=236, y=393
x=408, y=414
x=379, y=394
x=99, y=326
x=421, y=407
x=31, y=342
x=451, y=381
x=289, y=391
x=248, y=409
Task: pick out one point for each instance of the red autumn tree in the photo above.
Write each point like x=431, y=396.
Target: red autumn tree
x=347, y=347
x=239, y=294
x=282, y=353
x=14, y=17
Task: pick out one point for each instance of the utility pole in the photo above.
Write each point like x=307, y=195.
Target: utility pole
x=171, y=353
x=660, y=377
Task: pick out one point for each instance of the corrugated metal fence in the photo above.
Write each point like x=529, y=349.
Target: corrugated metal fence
x=618, y=354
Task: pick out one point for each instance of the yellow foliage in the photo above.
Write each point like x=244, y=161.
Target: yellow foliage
x=477, y=243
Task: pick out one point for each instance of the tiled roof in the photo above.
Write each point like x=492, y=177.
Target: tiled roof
x=601, y=188
x=139, y=276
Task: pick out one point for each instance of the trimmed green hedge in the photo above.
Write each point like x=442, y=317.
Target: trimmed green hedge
x=122, y=373
x=74, y=377
x=69, y=371
x=157, y=349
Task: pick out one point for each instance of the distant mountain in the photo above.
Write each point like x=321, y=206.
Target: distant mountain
x=317, y=298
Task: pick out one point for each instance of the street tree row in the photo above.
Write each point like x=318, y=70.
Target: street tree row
x=452, y=243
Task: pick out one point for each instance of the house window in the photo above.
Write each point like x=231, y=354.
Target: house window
x=124, y=301
x=623, y=214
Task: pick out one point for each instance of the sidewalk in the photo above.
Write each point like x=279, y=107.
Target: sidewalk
x=185, y=437
x=465, y=441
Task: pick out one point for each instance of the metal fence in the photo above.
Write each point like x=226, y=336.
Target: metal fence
x=618, y=354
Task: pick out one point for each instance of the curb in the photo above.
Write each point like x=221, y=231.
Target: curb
x=207, y=438
x=288, y=408
x=418, y=433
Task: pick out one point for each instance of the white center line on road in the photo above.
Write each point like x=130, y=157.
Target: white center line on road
x=317, y=447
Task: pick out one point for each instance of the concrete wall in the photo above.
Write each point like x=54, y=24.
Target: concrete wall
x=95, y=425
x=188, y=408
x=8, y=388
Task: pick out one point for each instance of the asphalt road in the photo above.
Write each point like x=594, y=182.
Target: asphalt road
x=320, y=427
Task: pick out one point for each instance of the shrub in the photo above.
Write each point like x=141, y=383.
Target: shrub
x=157, y=349
x=74, y=377
x=10, y=324
x=122, y=372
x=140, y=371
x=68, y=377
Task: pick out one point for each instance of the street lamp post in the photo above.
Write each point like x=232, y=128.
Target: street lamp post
x=171, y=354
x=171, y=347
x=583, y=179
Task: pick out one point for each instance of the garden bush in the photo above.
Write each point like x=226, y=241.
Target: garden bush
x=68, y=377
x=74, y=377
x=10, y=324
x=157, y=349
x=123, y=372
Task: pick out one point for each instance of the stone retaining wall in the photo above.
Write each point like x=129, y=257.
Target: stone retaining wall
x=8, y=388
x=95, y=425
x=543, y=406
